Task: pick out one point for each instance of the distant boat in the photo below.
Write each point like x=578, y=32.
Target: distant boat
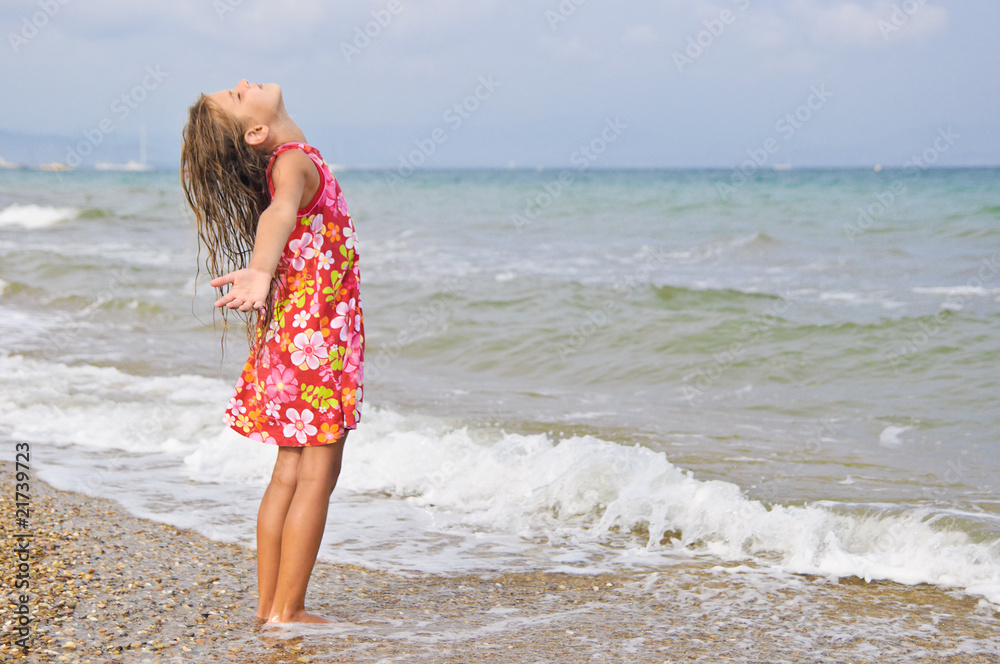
x=782, y=167
x=8, y=165
x=53, y=166
x=131, y=164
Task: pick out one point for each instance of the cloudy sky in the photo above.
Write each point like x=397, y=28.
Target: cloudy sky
x=496, y=83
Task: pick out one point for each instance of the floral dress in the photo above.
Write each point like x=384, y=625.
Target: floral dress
x=302, y=385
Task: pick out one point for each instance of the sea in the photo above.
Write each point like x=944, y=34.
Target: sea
x=567, y=370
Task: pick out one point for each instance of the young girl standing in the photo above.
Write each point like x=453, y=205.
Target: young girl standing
x=260, y=192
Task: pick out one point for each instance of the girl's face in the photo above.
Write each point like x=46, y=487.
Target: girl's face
x=250, y=103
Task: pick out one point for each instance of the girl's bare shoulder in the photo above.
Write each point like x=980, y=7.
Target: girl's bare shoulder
x=296, y=169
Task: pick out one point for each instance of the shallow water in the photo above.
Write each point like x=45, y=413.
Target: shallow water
x=632, y=371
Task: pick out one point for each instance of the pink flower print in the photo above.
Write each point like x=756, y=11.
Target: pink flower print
x=301, y=319
x=350, y=238
x=308, y=349
x=230, y=419
x=236, y=406
x=352, y=358
x=342, y=204
x=325, y=260
x=302, y=250
x=282, y=384
x=259, y=437
x=331, y=194
x=298, y=425
x=317, y=224
x=272, y=409
x=345, y=313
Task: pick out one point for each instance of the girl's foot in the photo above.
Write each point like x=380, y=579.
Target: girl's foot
x=305, y=617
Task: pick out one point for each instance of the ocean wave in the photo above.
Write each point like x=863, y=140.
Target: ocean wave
x=77, y=254
x=956, y=291
x=680, y=297
x=584, y=490
x=496, y=496
x=36, y=216
x=717, y=247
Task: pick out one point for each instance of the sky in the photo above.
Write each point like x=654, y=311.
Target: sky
x=517, y=83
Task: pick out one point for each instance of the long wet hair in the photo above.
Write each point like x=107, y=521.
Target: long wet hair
x=225, y=183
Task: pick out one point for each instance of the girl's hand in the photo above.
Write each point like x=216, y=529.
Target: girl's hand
x=250, y=289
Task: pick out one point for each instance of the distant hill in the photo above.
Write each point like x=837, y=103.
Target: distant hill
x=34, y=149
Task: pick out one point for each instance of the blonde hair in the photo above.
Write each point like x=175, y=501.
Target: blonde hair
x=225, y=183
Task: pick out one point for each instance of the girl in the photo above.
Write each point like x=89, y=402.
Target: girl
x=259, y=190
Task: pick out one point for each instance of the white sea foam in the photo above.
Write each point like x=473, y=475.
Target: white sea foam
x=890, y=435
x=419, y=493
x=120, y=252
x=35, y=216
x=956, y=291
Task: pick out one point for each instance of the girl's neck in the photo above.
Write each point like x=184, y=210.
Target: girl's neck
x=282, y=130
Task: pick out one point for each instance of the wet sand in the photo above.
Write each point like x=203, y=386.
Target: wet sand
x=109, y=587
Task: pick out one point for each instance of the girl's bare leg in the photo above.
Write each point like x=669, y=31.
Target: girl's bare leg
x=270, y=522
x=305, y=521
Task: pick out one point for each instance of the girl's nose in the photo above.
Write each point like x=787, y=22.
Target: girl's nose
x=243, y=83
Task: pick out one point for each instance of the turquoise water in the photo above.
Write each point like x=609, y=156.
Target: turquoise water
x=814, y=337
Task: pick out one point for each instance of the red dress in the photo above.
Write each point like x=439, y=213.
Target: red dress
x=303, y=387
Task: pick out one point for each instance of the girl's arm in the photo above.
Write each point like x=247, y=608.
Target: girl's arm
x=252, y=284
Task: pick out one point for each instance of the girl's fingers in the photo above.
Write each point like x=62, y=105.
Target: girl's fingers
x=222, y=281
x=228, y=300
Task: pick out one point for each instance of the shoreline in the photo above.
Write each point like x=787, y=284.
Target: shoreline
x=110, y=587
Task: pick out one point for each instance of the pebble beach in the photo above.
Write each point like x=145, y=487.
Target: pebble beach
x=730, y=434
x=109, y=587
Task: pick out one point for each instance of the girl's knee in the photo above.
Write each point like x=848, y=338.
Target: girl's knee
x=321, y=465
x=286, y=467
